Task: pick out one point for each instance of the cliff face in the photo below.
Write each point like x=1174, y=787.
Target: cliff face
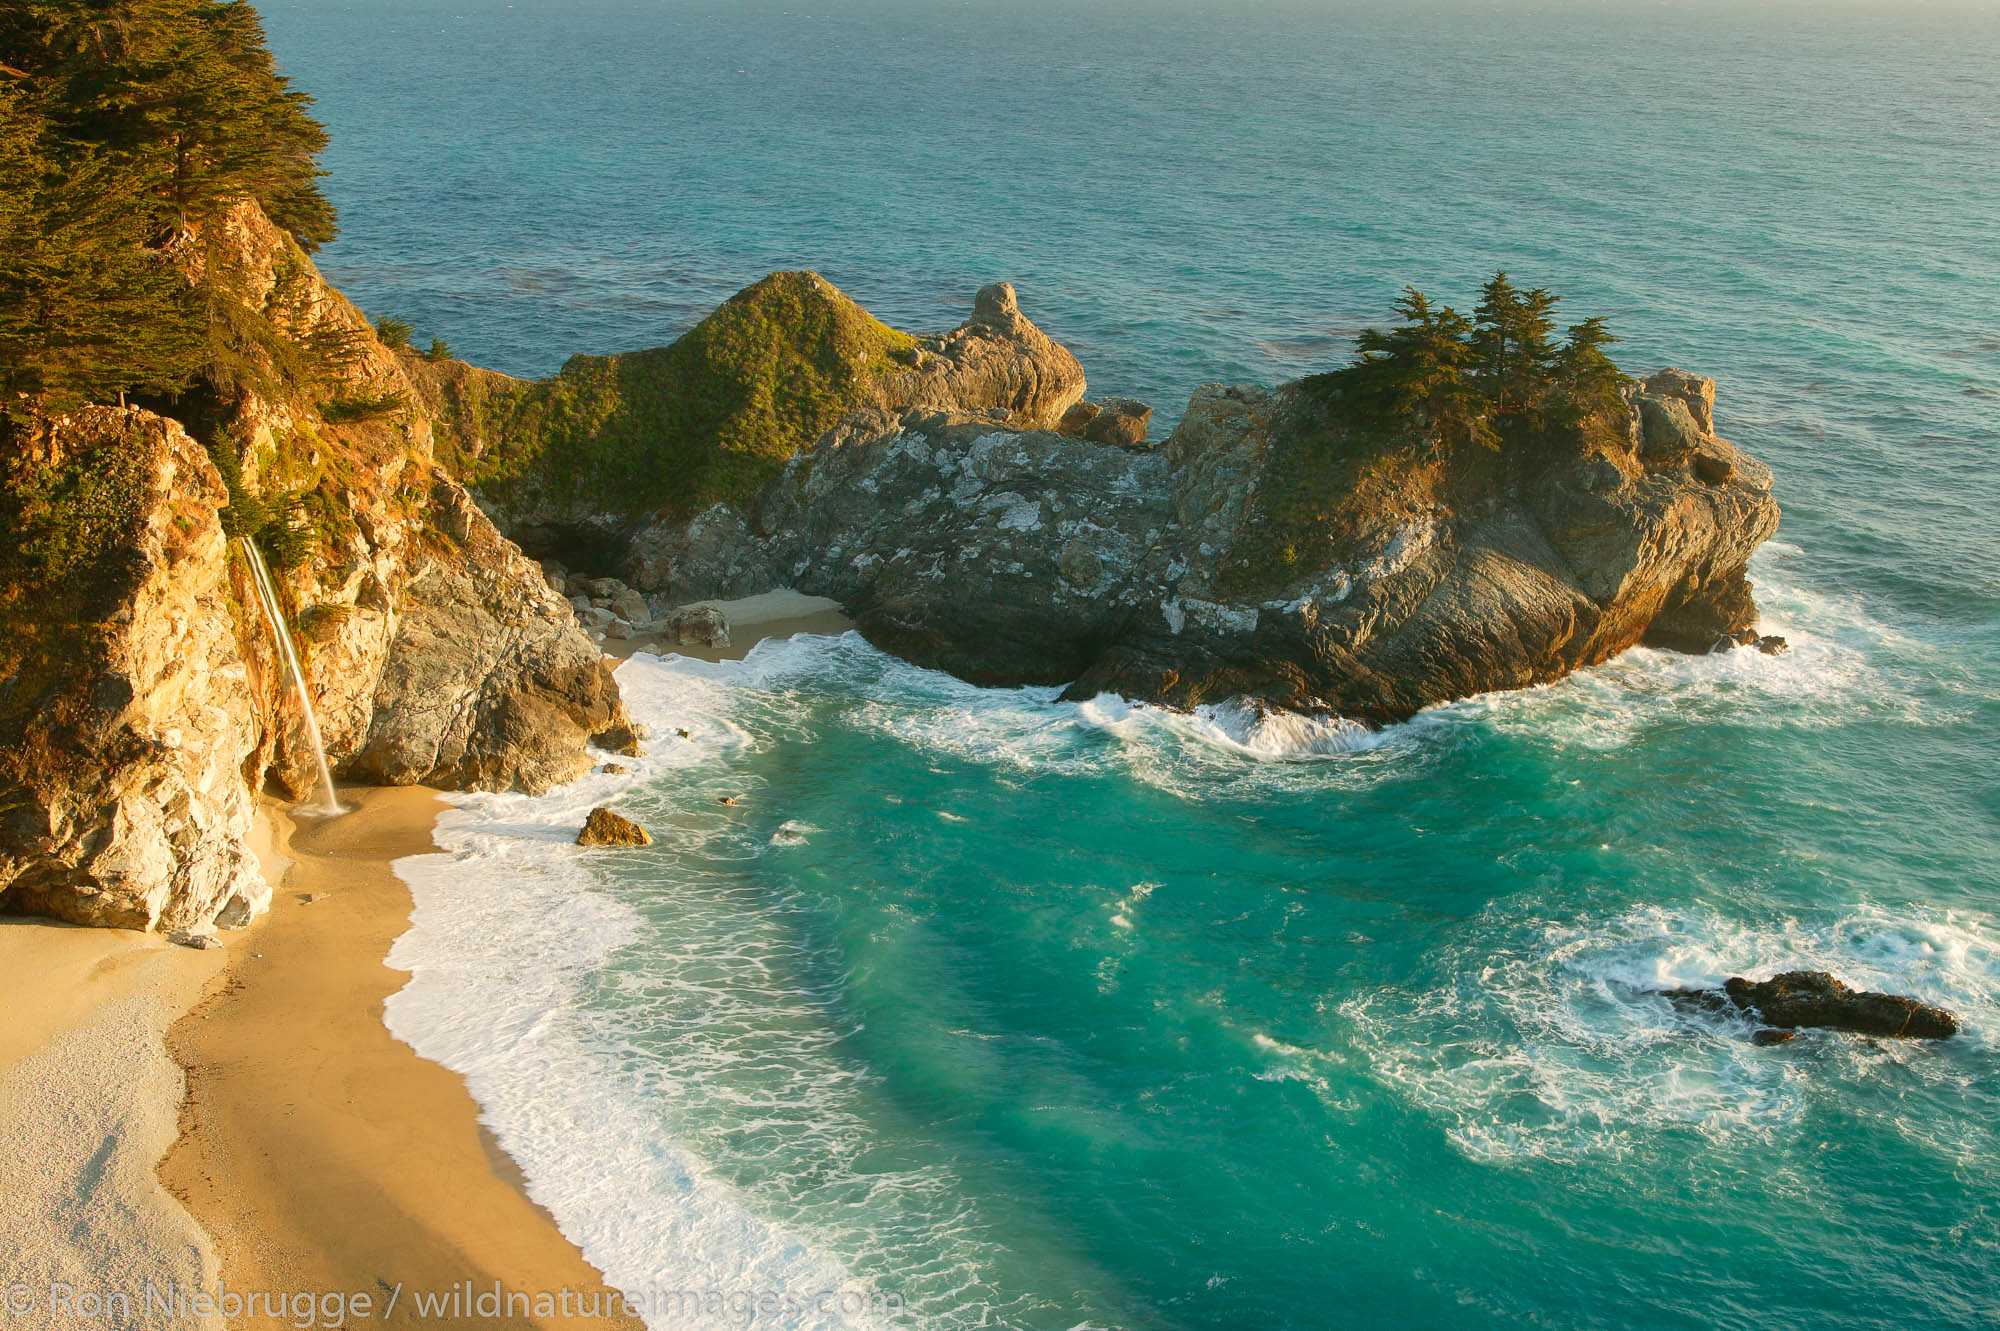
x=132, y=713
x=1193, y=573
x=141, y=705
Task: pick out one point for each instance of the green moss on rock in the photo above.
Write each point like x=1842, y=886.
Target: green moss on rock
x=710, y=418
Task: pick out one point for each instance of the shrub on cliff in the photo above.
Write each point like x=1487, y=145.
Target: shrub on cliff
x=394, y=333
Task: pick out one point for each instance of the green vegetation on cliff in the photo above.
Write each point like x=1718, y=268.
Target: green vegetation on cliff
x=1436, y=406
x=125, y=125
x=1497, y=379
x=711, y=417
x=64, y=510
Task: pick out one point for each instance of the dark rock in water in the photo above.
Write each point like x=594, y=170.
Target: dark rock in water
x=1814, y=998
x=605, y=828
x=1712, y=1000
x=614, y=769
x=1773, y=645
x=1799, y=999
x=1769, y=1035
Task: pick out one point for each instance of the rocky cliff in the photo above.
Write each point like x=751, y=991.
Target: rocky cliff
x=141, y=708
x=1271, y=550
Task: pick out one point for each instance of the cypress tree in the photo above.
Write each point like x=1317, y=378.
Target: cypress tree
x=1418, y=371
x=1498, y=375
x=1510, y=342
x=1585, y=372
x=87, y=309
x=124, y=124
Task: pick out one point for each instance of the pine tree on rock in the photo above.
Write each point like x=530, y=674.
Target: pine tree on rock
x=1510, y=344
x=1418, y=372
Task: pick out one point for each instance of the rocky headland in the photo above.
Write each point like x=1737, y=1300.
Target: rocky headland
x=141, y=700
x=1271, y=548
x=956, y=494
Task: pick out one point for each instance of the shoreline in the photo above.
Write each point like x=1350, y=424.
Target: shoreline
x=274, y=1135
x=321, y=1154
x=752, y=619
x=239, y=1118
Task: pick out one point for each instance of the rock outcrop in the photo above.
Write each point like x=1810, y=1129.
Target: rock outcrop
x=1801, y=999
x=1804, y=1000
x=489, y=684
x=1189, y=574
x=130, y=708
x=569, y=462
x=605, y=828
x=1120, y=420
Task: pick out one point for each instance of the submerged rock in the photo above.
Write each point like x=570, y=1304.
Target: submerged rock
x=605, y=828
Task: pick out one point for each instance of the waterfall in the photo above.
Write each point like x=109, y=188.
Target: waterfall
x=274, y=615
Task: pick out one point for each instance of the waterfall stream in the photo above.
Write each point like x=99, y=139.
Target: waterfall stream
x=274, y=615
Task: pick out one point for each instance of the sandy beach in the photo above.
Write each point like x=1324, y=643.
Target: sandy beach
x=89, y=1096
x=321, y=1154
x=779, y=614
x=239, y=1118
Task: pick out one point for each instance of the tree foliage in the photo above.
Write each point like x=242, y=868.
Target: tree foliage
x=1496, y=378
x=394, y=333
x=124, y=125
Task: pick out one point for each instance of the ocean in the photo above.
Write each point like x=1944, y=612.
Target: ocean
x=981, y=1009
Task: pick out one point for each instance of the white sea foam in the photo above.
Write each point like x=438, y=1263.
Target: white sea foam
x=1558, y=1044
x=606, y=1078
x=1827, y=673
x=1550, y=1048
x=793, y=832
x=506, y=936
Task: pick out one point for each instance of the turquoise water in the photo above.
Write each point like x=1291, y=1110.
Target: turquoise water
x=1047, y=1015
